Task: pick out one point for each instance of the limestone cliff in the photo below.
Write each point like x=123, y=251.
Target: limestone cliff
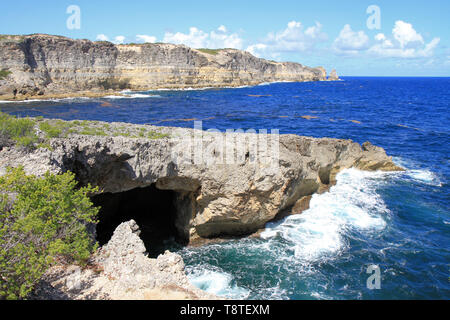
x=55, y=66
x=333, y=75
x=212, y=197
x=121, y=270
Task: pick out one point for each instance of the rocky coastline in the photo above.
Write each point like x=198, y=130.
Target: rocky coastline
x=142, y=174
x=41, y=66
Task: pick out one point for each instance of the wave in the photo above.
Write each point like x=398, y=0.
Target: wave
x=352, y=203
x=215, y=281
x=425, y=176
x=45, y=100
x=185, y=89
x=420, y=175
x=133, y=96
x=126, y=95
x=297, y=244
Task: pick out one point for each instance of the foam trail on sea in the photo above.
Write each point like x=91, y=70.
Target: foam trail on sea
x=45, y=100
x=133, y=96
x=215, y=281
x=420, y=175
x=352, y=203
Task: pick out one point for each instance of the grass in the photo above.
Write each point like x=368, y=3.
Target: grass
x=92, y=131
x=23, y=131
x=153, y=135
x=20, y=130
x=55, y=129
x=210, y=51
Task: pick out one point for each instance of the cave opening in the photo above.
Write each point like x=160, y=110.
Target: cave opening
x=162, y=222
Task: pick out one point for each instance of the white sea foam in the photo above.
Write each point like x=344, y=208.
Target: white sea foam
x=126, y=95
x=45, y=100
x=295, y=244
x=185, y=89
x=133, y=96
x=421, y=175
x=318, y=232
x=425, y=176
x=217, y=282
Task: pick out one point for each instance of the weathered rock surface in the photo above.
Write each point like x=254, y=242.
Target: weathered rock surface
x=333, y=75
x=55, y=66
x=121, y=270
x=215, y=197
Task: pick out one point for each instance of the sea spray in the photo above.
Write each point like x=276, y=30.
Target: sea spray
x=294, y=246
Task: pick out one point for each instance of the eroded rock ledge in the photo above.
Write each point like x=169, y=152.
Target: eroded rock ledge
x=47, y=66
x=121, y=270
x=208, y=199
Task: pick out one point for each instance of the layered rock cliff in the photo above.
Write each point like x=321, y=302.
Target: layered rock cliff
x=54, y=66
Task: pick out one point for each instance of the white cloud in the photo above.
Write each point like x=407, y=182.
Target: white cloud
x=196, y=38
x=405, y=43
x=380, y=37
x=405, y=34
x=222, y=28
x=292, y=39
x=102, y=37
x=119, y=40
x=145, y=38
x=351, y=42
x=257, y=49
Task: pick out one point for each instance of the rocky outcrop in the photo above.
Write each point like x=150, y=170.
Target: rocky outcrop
x=121, y=270
x=333, y=76
x=55, y=66
x=223, y=184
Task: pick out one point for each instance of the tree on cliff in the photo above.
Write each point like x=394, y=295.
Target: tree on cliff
x=41, y=220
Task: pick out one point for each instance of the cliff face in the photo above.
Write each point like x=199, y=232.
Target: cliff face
x=51, y=65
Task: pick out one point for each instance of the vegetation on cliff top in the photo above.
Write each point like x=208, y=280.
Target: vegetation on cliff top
x=24, y=131
x=20, y=130
x=42, y=220
x=210, y=51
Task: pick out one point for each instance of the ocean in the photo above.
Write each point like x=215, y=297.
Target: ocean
x=398, y=223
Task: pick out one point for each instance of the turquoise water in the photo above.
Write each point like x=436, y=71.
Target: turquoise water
x=397, y=221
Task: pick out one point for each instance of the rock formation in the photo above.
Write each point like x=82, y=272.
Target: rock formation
x=212, y=196
x=53, y=66
x=333, y=76
x=121, y=270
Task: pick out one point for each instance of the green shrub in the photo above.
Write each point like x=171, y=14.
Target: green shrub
x=157, y=135
x=210, y=51
x=21, y=130
x=92, y=131
x=55, y=129
x=4, y=73
x=48, y=219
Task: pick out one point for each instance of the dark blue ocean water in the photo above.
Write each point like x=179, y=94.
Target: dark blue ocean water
x=399, y=222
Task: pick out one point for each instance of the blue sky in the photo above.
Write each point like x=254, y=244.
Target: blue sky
x=413, y=38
